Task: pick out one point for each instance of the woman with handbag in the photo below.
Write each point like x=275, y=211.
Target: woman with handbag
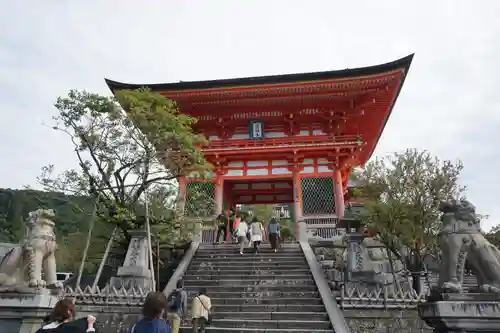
x=241, y=232
x=201, y=311
x=256, y=230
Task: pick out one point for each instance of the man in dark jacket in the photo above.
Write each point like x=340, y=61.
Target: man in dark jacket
x=222, y=224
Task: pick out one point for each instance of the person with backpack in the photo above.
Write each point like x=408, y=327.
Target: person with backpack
x=222, y=224
x=177, y=306
x=201, y=311
x=152, y=310
x=273, y=231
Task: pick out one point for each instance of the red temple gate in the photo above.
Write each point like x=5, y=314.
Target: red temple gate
x=286, y=138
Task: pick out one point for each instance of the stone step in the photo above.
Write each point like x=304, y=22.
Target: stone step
x=251, y=281
x=235, y=249
x=265, y=248
x=265, y=301
x=305, y=325
x=263, y=245
x=237, y=256
x=282, y=307
x=249, y=252
x=322, y=316
x=209, y=329
x=253, y=260
x=226, y=265
x=250, y=272
x=254, y=288
x=249, y=277
x=269, y=293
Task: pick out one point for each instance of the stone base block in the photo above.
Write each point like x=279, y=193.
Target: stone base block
x=138, y=271
x=130, y=282
x=462, y=313
x=43, y=299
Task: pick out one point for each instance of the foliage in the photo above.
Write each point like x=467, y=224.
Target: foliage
x=71, y=211
x=286, y=230
x=72, y=217
x=122, y=156
x=69, y=251
x=493, y=236
x=263, y=212
x=402, y=193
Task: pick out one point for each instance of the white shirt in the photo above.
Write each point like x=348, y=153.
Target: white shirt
x=242, y=229
x=201, y=310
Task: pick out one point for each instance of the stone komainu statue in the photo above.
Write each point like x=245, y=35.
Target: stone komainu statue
x=23, y=265
x=461, y=239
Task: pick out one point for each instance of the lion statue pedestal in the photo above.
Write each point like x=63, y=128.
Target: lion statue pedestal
x=28, y=285
x=449, y=308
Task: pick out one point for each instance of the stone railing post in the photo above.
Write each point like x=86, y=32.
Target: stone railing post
x=355, y=260
x=303, y=231
x=198, y=231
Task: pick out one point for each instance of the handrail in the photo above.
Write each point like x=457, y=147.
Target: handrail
x=181, y=268
x=335, y=314
x=185, y=261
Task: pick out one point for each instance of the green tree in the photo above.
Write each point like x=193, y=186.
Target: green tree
x=493, y=236
x=402, y=193
x=124, y=153
x=263, y=212
x=15, y=215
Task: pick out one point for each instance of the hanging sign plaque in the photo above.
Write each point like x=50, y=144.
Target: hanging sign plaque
x=256, y=128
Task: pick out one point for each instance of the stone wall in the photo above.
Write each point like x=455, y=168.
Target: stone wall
x=385, y=321
x=367, y=312
x=8, y=325
x=112, y=319
x=331, y=260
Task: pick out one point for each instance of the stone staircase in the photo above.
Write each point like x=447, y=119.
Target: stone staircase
x=267, y=292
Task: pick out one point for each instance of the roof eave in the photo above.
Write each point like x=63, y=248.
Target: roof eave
x=395, y=99
x=403, y=63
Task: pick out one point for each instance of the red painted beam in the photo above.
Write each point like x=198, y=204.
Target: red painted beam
x=279, y=191
x=363, y=82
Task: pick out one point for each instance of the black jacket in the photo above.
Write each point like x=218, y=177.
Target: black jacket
x=75, y=326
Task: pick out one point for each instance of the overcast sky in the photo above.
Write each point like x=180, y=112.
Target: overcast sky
x=450, y=104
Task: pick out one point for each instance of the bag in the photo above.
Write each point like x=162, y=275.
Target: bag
x=209, y=320
x=175, y=301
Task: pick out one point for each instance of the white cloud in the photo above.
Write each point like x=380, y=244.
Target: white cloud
x=448, y=105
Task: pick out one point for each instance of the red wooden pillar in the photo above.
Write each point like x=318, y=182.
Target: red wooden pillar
x=297, y=199
x=339, y=193
x=228, y=195
x=219, y=194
